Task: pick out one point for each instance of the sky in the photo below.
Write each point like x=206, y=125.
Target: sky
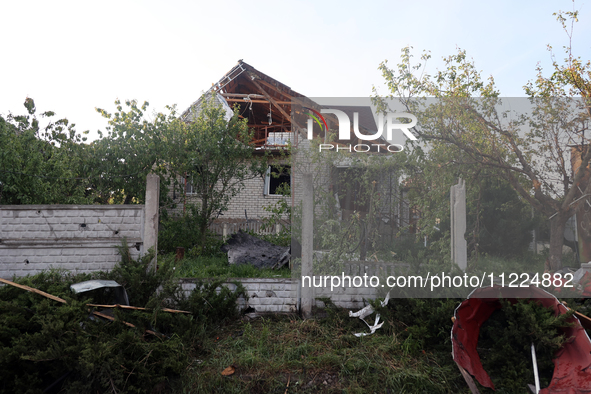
x=73, y=56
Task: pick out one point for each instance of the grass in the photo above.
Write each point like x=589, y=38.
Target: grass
x=528, y=263
x=284, y=354
x=219, y=268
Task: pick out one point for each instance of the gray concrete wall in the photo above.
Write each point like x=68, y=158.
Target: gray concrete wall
x=80, y=238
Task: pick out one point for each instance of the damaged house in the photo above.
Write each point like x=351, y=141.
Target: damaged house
x=279, y=118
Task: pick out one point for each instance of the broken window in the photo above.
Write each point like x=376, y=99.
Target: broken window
x=278, y=180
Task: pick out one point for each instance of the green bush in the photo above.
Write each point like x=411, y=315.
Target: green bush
x=145, y=286
x=505, y=344
x=43, y=342
x=47, y=345
x=424, y=325
x=219, y=268
x=183, y=231
x=213, y=302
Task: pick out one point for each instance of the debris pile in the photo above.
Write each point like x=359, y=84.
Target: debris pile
x=243, y=248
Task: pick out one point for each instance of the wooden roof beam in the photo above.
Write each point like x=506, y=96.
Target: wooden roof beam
x=274, y=88
x=272, y=100
x=240, y=100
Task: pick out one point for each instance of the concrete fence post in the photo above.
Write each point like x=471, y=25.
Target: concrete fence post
x=459, y=248
x=225, y=231
x=307, y=243
x=151, y=216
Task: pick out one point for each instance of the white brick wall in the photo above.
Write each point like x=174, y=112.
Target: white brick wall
x=250, y=198
x=266, y=295
x=80, y=238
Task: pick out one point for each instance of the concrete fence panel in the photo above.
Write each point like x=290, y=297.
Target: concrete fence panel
x=80, y=238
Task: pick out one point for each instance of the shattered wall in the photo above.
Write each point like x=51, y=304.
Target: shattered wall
x=80, y=238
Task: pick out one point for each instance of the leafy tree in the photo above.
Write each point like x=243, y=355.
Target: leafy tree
x=133, y=147
x=528, y=150
x=216, y=156
x=41, y=164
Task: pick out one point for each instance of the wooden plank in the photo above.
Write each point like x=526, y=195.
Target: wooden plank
x=32, y=290
x=274, y=88
x=239, y=100
x=250, y=95
x=137, y=308
x=272, y=100
x=111, y=318
x=585, y=320
x=469, y=380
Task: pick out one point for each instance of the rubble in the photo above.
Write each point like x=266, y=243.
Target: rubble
x=243, y=248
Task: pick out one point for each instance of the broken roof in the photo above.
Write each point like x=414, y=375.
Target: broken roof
x=267, y=104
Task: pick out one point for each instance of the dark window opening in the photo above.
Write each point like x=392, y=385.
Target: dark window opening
x=278, y=180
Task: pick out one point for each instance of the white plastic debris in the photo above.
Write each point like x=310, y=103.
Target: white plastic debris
x=368, y=310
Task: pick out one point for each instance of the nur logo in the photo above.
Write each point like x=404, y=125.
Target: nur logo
x=392, y=123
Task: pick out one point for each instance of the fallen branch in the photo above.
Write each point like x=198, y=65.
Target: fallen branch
x=135, y=308
x=111, y=318
x=52, y=297
x=32, y=290
x=585, y=320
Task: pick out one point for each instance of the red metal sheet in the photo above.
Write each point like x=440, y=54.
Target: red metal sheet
x=572, y=362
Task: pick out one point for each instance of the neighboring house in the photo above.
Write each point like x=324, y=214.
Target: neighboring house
x=267, y=104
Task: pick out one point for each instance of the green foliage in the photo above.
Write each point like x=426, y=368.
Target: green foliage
x=51, y=164
x=422, y=323
x=182, y=231
x=212, y=301
x=217, y=267
x=43, y=342
x=216, y=157
x=504, y=223
x=465, y=131
x=505, y=340
x=504, y=343
x=278, y=211
x=140, y=280
x=133, y=147
x=41, y=160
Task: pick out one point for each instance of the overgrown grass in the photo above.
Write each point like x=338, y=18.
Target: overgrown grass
x=218, y=267
x=529, y=262
x=286, y=354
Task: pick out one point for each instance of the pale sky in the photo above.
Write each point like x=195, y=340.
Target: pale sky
x=73, y=56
